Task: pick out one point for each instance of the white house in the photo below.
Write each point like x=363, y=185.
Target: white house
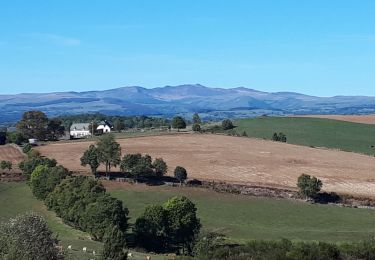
x=104, y=127
x=80, y=130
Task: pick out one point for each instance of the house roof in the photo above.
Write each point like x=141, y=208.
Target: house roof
x=105, y=123
x=80, y=126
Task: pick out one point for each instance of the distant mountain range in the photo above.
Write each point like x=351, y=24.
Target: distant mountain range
x=212, y=103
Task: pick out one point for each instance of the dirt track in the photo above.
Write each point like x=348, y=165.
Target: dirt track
x=365, y=119
x=242, y=160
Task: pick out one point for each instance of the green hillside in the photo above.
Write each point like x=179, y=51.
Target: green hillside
x=316, y=132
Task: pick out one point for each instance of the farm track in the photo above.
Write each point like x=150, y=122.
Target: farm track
x=241, y=161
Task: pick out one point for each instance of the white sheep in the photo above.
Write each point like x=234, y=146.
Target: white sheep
x=70, y=247
x=84, y=249
x=130, y=254
x=93, y=252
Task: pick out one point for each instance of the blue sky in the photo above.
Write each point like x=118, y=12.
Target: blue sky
x=316, y=47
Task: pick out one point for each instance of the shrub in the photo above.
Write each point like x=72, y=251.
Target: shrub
x=160, y=167
x=28, y=166
x=27, y=237
x=279, y=137
x=196, y=128
x=26, y=149
x=6, y=165
x=178, y=123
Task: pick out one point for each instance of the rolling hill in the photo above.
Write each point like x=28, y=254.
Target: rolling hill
x=213, y=103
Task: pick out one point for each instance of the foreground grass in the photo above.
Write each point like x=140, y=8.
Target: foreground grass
x=346, y=136
x=243, y=218
x=16, y=198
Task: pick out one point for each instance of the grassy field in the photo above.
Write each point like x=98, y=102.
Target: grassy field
x=16, y=198
x=243, y=218
x=316, y=132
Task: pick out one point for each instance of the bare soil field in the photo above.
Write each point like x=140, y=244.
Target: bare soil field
x=241, y=160
x=13, y=154
x=363, y=119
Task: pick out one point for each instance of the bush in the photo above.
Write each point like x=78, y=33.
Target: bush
x=27, y=237
x=227, y=124
x=6, y=165
x=142, y=166
x=180, y=174
x=196, y=128
x=15, y=138
x=26, y=149
x=309, y=185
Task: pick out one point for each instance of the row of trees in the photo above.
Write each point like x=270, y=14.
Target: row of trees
x=108, y=152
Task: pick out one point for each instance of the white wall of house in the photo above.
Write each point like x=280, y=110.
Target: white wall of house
x=80, y=133
x=104, y=128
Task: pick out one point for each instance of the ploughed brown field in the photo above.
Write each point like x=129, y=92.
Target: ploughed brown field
x=241, y=160
x=363, y=119
x=11, y=153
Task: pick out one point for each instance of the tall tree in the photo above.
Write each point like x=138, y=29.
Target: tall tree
x=160, y=167
x=55, y=129
x=227, y=124
x=119, y=124
x=196, y=119
x=91, y=157
x=180, y=173
x=33, y=125
x=309, y=185
x=109, y=152
x=178, y=123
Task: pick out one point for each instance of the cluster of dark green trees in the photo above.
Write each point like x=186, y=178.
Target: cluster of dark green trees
x=279, y=137
x=6, y=165
x=172, y=226
x=210, y=247
x=35, y=124
x=309, y=185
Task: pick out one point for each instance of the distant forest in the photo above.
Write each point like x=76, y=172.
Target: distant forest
x=118, y=122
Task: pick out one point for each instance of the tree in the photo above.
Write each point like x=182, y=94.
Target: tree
x=119, y=124
x=114, y=245
x=183, y=225
x=6, y=165
x=180, y=174
x=109, y=152
x=244, y=134
x=44, y=179
x=3, y=136
x=196, y=127
x=55, y=129
x=15, y=138
x=227, y=124
x=174, y=225
x=160, y=167
x=196, y=119
x=33, y=125
x=178, y=123
x=137, y=165
x=309, y=185
x=27, y=237
x=150, y=229
x=93, y=128
x=91, y=157
x=28, y=165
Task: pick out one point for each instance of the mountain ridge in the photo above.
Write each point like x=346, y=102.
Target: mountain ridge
x=182, y=99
